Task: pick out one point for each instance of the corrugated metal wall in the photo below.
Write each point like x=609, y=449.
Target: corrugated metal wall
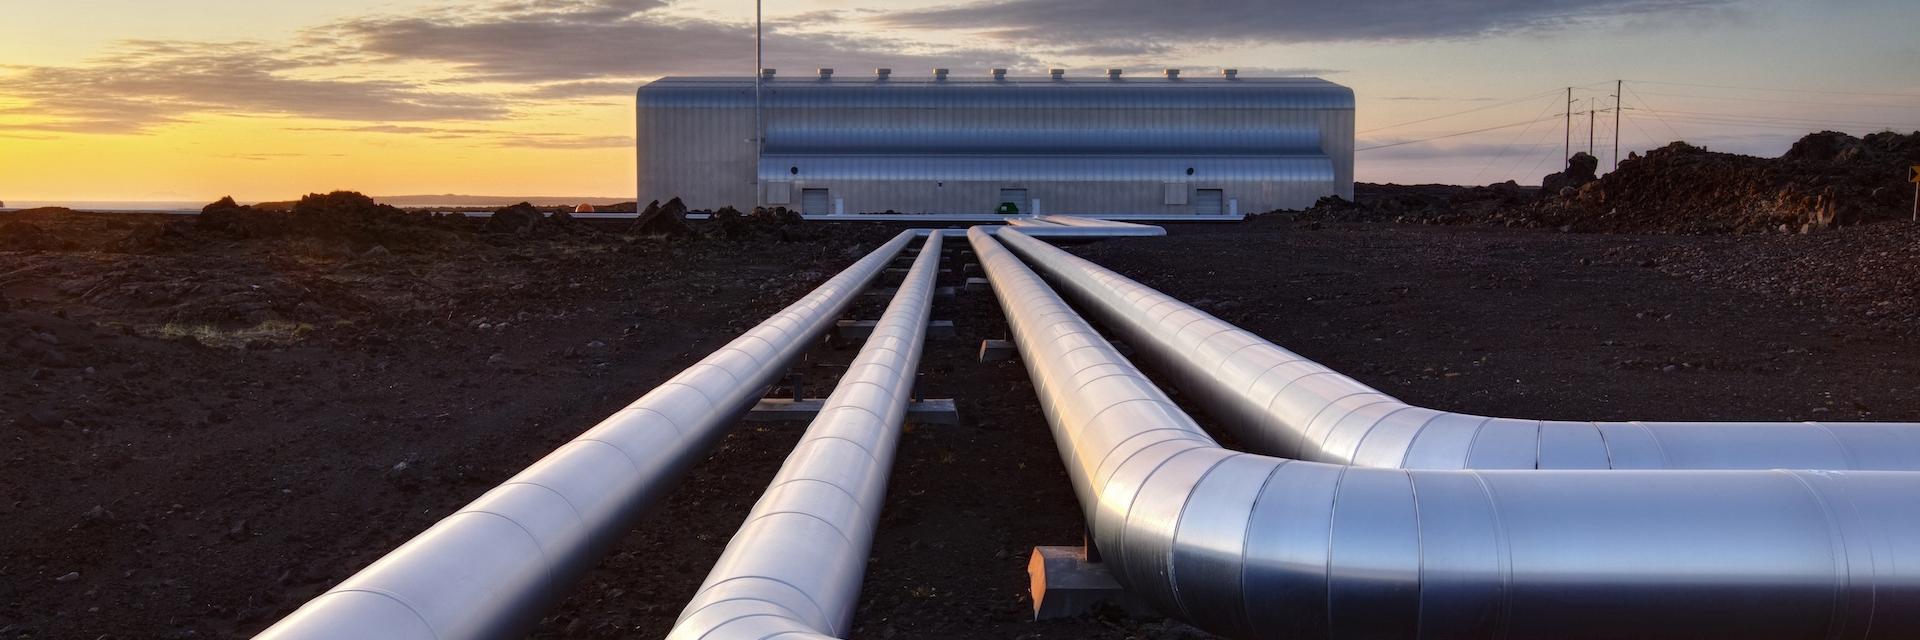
x=1088, y=145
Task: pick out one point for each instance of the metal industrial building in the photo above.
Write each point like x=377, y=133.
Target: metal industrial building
x=1165, y=146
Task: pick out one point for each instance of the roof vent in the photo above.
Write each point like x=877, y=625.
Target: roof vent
x=1230, y=74
x=1114, y=74
x=766, y=74
x=882, y=73
x=939, y=74
x=1172, y=74
x=826, y=73
x=1057, y=73
x=999, y=74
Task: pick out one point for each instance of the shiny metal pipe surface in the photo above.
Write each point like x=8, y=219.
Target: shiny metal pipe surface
x=493, y=567
x=794, y=569
x=1077, y=221
x=1252, y=546
x=1065, y=232
x=1283, y=404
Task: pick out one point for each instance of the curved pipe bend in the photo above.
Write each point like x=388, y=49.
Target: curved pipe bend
x=1283, y=404
x=794, y=569
x=493, y=567
x=1254, y=546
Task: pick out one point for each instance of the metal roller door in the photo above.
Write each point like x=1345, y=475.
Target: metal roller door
x=815, y=202
x=1209, y=202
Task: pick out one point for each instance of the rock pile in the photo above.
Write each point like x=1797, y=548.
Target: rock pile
x=1826, y=179
x=669, y=219
x=1581, y=169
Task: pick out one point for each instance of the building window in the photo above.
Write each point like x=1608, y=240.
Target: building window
x=1015, y=197
x=1209, y=202
x=815, y=202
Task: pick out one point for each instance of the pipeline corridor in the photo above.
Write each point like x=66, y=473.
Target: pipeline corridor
x=1354, y=515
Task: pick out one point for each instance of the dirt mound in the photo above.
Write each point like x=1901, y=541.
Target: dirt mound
x=22, y=236
x=1581, y=169
x=1826, y=179
x=43, y=211
x=1424, y=204
x=341, y=215
x=662, y=220
x=526, y=220
x=228, y=218
x=523, y=218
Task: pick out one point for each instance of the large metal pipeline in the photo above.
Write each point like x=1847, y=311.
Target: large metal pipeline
x=1084, y=232
x=1254, y=546
x=1283, y=404
x=795, y=567
x=492, y=568
x=1077, y=221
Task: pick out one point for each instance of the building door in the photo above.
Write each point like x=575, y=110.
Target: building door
x=1209, y=202
x=1018, y=197
x=814, y=202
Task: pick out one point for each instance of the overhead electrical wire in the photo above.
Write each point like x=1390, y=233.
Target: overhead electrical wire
x=1650, y=109
x=1516, y=138
x=1473, y=110
x=1915, y=96
x=1456, y=135
x=1856, y=105
x=1770, y=119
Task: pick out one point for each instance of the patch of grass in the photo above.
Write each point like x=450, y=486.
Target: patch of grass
x=270, y=331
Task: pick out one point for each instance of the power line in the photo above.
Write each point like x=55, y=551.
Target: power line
x=1460, y=113
x=1516, y=138
x=1855, y=105
x=1454, y=135
x=1709, y=120
x=1651, y=142
x=1656, y=114
x=1785, y=119
x=1783, y=90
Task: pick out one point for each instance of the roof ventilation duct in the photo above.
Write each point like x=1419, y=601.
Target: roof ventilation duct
x=1057, y=73
x=1114, y=74
x=766, y=74
x=1172, y=74
x=999, y=74
x=1230, y=74
x=882, y=73
x=939, y=74
x=826, y=73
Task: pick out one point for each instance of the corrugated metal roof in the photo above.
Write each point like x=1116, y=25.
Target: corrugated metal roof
x=1011, y=92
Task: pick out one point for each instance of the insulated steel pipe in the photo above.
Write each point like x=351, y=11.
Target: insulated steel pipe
x=1067, y=232
x=1034, y=222
x=490, y=569
x=1283, y=404
x=794, y=569
x=1077, y=221
x=1253, y=546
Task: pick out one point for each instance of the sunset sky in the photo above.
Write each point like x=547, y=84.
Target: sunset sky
x=194, y=99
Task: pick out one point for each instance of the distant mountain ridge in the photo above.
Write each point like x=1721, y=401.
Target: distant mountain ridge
x=495, y=201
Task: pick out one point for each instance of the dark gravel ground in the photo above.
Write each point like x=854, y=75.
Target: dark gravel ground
x=205, y=487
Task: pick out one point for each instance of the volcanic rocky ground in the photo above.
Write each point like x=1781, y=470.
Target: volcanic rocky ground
x=206, y=425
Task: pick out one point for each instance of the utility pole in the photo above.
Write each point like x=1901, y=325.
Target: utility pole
x=759, y=128
x=1566, y=140
x=1617, y=84
x=1590, y=117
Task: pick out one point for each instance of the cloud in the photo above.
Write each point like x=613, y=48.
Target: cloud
x=571, y=50
x=597, y=40
x=490, y=137
x=1109, y=25
x=143, y=84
